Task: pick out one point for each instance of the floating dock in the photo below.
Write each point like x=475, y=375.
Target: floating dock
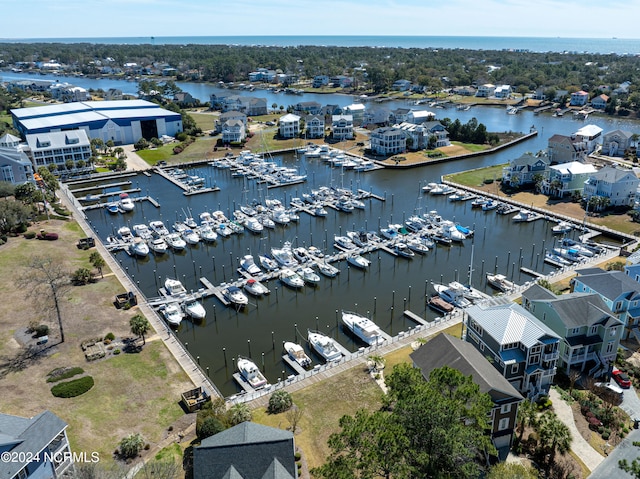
x=414, y=317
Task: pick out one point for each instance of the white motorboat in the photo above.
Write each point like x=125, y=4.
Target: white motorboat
x=401, y=249
x=291, y=278
x=500, y=282
x=328, y=270
x=319, y=210
x=417, y=246
x=251, y=374
x=363, y=327
x=582, y=249
x=138, y=248
x=280, y=216
x=253, y=225
x=223, y=230
x=179, y=226
x=343, y=243
x=442, y=189
x=175, y=242
x=125, y=234
x=158, y=228
x=173, y=287
x=490, y=205
x=268, y=263
x=297, y=354
x=570, y=254
x=309, y=275
x=190, y=236
x=358, y=261
x=358, y=238
x=561, y=228
x=479, y=202
x=248, y=264
x=235, y=296
x=126, y=204
x=324, y=346
x=172, y=314
x=266, y=222
x=523, y=216
x=390, y=232
x=468, y=292
x=428, y=187
x=158, y=245
x=205, y=218
x=207, y=233
x=449, y=230
x=452, y=295
x=345, y=204
x=315, y=252
x=301, y=254
x=193, y=308
x=284, y=255
x=255, y=288
x=142, y=231
x=555, y=259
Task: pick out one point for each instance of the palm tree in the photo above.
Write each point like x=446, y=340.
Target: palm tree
x=527, y=416
x=98, y=262
x=378, y=362
x=139, y=326
x=554, y=436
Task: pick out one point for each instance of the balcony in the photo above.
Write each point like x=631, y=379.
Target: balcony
x=546, y=357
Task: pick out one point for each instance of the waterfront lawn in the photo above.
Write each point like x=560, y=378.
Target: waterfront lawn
x=470, y=147
x=204, y=121
x=154, y=155
x=475, y=178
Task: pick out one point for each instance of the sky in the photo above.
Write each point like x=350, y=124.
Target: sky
x=146, y=18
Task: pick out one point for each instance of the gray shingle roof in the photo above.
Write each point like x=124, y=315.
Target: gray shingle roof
x=536, y=292
x=610, y=284
x=583, y=309
x=611, y=174
x=510, y=323
x=445, y=350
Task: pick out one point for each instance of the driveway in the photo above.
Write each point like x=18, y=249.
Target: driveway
x=630, y=402
x=608, y=468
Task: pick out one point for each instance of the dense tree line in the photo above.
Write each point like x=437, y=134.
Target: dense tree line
x=433, y=68
x=470, y=132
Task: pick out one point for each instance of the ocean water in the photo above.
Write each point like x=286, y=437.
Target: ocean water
x=621, y=46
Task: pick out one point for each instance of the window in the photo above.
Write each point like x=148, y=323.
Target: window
x=22, y=474
x=514, y=368
x=593, y=330
x=481, y=346
x=610, y=346
x=614, y=331
x=505, y=408
x=503, y=424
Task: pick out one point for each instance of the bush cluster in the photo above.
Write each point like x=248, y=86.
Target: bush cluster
x=63, y=373
x=70, y=389
x=110, y=336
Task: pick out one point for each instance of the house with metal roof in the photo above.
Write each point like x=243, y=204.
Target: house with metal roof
x=38, y=446
x=314, y=127
x=246, y=451
x=60, y=148
x=15, y=164
x=387, y=141
x=289, y=126
x=589, y=331
x=616, y=142
x=122, y=121
x=617, y=184
x=566, y=178
x=590, y=135
x=342, y=127
x=445, y=350
x=522, y=170
x=620, y=292
x=520, y=347
x=418, y=117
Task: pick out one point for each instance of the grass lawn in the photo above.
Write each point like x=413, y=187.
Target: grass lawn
x=205, y=121
x=474, y=178
x=152, y=156
x=471, y=147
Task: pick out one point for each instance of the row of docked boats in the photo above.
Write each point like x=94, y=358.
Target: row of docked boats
x=125, y=204
x=179, y=303
x=254, y=166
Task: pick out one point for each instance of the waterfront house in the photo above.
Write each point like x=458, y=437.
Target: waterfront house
x=184, y=99
x=589, y=331
x=310, y=107
x=438, y=132
x=58, y=147
x=262, y=75
x=356, y=110
x=228, y=103
x=565, y=149
x=341, y=81
x=616, y=143
x=233, y=131
x=600, y=102
x=524, y=169
x=417, y=137
x=342, y=127
x=246, y=451
x=230, y=115
x=623, y=88
x=486, y=90
x=399, y=115
x=315, y=127
x=464, y=90
x=254, y=106
x=289, y=126
x=445, y=350
x=417, y=117
x=401, y=85
x=68, y=93
x=620, y=292
x=520, y=347
x=388, y=141
x=379, y=116
x=590, y=135
x=113, y=94
x=503, y=91
x=566, y=178
x=38, y=447
x=320, y=81
x=617, y=184
x=39, y=86
x=579, y=98
x=15, y=165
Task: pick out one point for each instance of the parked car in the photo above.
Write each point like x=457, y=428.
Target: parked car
x=621, y=378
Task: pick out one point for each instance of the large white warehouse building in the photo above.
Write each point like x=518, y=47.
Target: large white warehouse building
x=123, y=121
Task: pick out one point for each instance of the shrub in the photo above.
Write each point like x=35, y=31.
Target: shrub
x=177, y=150
x=210, y=426
x=107, y=341
x=279, y=402
x=30, y=235
x=595, y=424
x=116, y=351
x=70, y=389
x=131, y=445
x=110, y=336
x=182, y=136
x=63, y=373
x=625, y=430
x=606, y=435
x=41, y=330
x=297, y=456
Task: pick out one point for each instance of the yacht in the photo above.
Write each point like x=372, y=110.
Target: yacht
x=223, y=230
x=193, y=308
x=479, y=202
x=138, y=248
x=125, y=234
x=248, y=264
x=266, y=222
x=268, y=263
x=291, y=279
x=582, y=249
x=158, y=245
x=158, y=228
x=280, y=216
x=363, y=327
x=207, y=234
x=358, y=261
x=253, y=225
x=297, y=354
x=324, y=346
x=468, y=292
x=301, y=254
x=172, y=314
x=452, y=295
x=175, y=242
x=343, y=243
x=523, y=216
x=251, y=374
x=255, y=288
x=438, y=304
x=449, y=230
x=328, y=270
x=173, y=287
x=142, y=231
x=319, y=210
x=190, y=236
x=417, y=246
x=235, y=296
x=284, y=255
x=401, y=249
x=315, y=252
x=490, y=205
x=500, y=282
x=555, y=259
x=358, y=238
x=126, y=204
x=561, y=228
x=309, y=275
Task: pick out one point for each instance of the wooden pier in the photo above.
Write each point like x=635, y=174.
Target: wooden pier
x=531, y=272
x=102, y=187
x=414, y=317
x=293, y=365
x=100, y=196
